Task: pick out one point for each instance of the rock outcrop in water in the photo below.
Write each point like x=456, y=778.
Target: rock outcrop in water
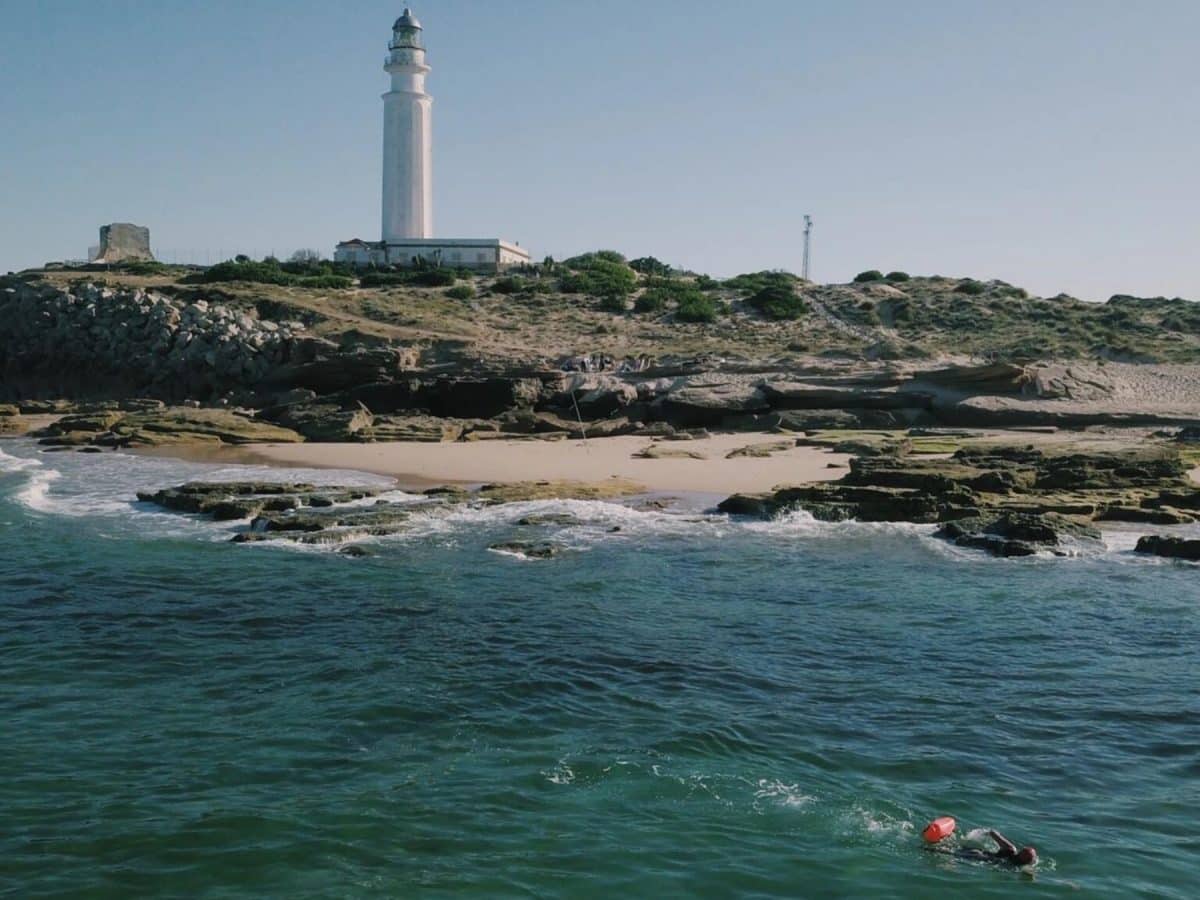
x=328, y=515
x=1008, y=501
x=1170, y=547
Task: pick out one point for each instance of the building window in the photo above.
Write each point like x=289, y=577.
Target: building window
x=456, y=256
x=481, y=257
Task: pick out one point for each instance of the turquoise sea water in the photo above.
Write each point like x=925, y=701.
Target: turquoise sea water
x=690, y=707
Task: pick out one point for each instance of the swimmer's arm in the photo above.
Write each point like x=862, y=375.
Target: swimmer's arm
x=1006, y=846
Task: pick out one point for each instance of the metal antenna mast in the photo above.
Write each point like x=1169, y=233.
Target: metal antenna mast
x=808, y=227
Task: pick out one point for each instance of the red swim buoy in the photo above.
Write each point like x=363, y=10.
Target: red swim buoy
x=939, y=828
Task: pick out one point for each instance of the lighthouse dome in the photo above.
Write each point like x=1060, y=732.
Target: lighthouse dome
x=406, y=20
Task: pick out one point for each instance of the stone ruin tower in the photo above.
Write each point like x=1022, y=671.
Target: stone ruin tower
x=122, y=242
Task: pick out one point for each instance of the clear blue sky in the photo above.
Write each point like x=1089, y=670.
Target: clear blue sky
x=1053, y=144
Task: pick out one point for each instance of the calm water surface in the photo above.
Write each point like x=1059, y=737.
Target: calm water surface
x=690, y=707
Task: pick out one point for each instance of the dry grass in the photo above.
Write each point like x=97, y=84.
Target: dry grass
x=918, y=319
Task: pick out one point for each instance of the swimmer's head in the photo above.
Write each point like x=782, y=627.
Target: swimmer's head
x=1026, y=856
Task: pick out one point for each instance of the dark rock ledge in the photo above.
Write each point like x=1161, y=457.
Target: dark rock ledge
x=1170, y=547
x=331, y=515
x=1007, y=501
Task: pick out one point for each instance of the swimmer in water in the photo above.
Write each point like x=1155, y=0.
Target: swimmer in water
x=1007, y=855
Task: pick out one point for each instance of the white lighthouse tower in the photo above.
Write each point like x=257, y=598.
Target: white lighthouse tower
x=407, y=138
x=408, y=239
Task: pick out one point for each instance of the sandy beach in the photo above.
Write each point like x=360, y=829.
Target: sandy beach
x=425, y=464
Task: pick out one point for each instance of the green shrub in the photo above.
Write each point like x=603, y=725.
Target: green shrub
x=306, y=267
x=898, y=276
x=587, y=260
x=614, y=303
x=648, y=265
x=142, y=267
x=573, y=283
x=382, y=279
x=334, y=282
x=1123, y=319
x=697, y=308
x=663, y=291
x=433, y=278
x=707, y=283
x=652, y=300
x=868, y=276
x=672, y=289
x=461, y=292
x=599, y=275
x=753, y=282
x=778, y=302
x=971, y=287
x=898, y=311
x=265, y=272
x=508, y=285
x=610, y=279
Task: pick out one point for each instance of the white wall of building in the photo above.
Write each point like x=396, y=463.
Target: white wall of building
x=486, y=255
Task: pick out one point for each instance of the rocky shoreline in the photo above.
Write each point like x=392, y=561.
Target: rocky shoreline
x=177, y=366
x=100, y=346
x=1005, y=500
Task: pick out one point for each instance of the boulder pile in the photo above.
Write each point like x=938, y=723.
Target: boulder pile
x=93, y=341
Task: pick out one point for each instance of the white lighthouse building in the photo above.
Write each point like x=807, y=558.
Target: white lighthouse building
x=407, y=138
x=408, y=175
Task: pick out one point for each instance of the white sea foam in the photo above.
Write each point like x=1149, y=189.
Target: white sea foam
x=979, y=838
x=782, y=794
x=36, y=493
x=879, y=824
x=800, y=523
x=17, y=463
x=560, y=774
x=585, y=522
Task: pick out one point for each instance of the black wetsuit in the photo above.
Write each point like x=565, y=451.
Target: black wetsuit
x=1001, y=857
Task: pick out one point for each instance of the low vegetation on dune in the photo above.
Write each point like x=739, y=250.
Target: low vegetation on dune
x=601, y=302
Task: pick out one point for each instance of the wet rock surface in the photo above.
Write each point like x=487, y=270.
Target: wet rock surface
x=1008, y=501
x=1171, y=547
x=162, y=427
x=761, y=451
x=330, y=515
x=529, y=549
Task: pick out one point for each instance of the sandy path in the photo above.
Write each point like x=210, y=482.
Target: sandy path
x=417, y=464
